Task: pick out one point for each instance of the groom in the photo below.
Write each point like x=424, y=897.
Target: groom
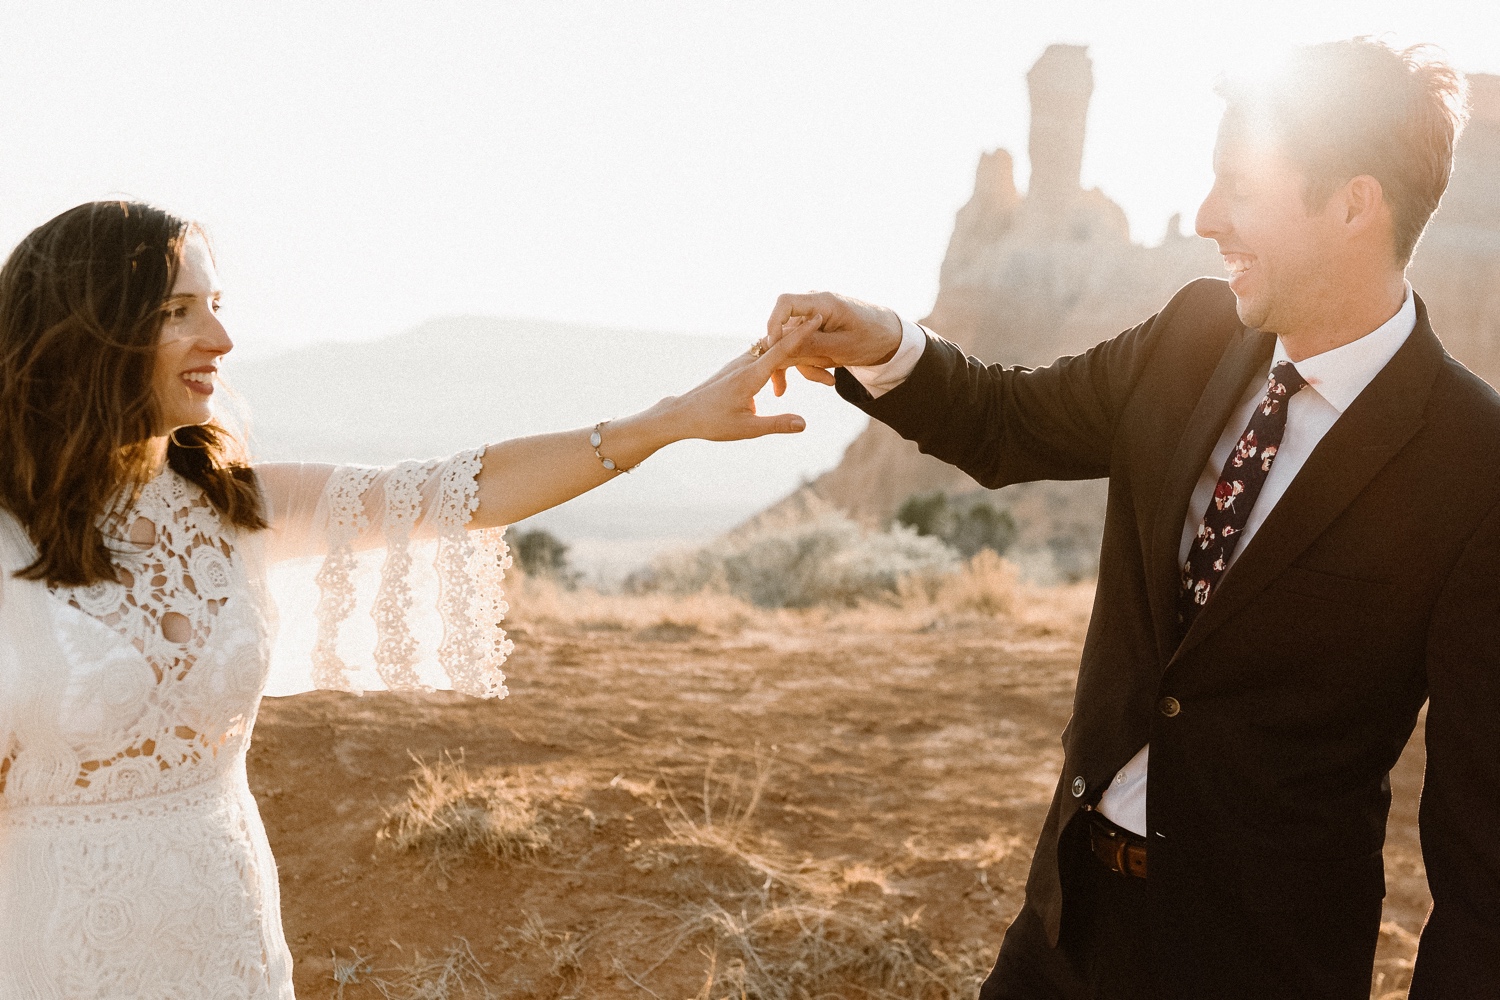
x=1302, y=544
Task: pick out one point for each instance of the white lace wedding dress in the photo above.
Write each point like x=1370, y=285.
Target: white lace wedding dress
x=133, y=862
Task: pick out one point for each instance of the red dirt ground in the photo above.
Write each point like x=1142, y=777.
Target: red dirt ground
x=917, y=762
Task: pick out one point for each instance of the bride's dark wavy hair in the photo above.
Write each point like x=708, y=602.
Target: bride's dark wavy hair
x=81, y=311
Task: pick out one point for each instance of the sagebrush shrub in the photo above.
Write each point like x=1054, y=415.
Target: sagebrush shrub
x=830, y=560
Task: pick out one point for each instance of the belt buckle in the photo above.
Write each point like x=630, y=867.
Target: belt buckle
x=1115, y=843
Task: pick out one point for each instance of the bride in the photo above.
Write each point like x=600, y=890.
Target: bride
x=135, y=625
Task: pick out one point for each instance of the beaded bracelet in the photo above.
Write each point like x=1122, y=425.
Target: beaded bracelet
x=597, y=440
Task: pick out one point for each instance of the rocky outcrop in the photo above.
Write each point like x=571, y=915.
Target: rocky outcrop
x=1027, y=279
x=1059, y=85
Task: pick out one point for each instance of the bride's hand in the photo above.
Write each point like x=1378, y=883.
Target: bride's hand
x=524, y=476
x=723, y=407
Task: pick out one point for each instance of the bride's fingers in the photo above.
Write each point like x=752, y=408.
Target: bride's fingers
x=784, y=348
x=776, y=423
x=802, y=326
x=782, y=352
x=815, y=374
x=818, y=370
x=778, y=377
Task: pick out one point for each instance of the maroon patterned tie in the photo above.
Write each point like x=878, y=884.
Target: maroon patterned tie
x=1239, y=484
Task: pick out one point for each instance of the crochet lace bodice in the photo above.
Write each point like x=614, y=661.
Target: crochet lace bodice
x=126, y=708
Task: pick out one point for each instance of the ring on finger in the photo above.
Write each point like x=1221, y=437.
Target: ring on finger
x=759, y=347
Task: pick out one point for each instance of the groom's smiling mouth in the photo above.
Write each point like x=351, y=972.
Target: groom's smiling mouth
x=1237, y=265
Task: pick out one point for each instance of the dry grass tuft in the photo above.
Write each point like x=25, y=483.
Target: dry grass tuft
x=986, y=585
x=566, y=949
x=985, y=589
x=771, y=928
x=450, y=812
x=349, y=970
x=724, y=806
x=454, y=973
x=982, y=854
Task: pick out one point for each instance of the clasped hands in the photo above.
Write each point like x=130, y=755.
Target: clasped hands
x=820, y=331
x=813, y=333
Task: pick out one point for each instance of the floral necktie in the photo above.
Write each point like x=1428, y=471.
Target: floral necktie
x=1239, y=484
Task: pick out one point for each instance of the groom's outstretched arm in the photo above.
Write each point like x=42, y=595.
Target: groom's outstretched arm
x=999, y=424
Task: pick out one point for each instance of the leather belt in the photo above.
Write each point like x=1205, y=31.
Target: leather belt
x=1119, y=849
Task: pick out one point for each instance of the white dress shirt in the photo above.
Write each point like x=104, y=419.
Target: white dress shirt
x=1334, y=379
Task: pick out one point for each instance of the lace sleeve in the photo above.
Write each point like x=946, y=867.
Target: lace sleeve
x=395, y=542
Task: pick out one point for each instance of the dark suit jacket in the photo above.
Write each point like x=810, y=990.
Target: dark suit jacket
x=1373, y=584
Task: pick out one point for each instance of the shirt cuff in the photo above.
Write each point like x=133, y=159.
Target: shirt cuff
x=881, y=379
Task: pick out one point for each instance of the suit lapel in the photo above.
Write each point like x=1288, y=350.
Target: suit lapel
x=1376, y=426
x=1247, y=354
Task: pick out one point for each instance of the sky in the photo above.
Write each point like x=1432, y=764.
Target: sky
x=362, y=167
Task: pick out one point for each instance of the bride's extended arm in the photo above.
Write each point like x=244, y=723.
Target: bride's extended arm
x=315, y=509
x=525, y=476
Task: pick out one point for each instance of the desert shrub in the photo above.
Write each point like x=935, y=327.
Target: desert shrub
x=541, y=553
x=449, y=812
x=969, y=525
x=828, y=561
x=924, y=513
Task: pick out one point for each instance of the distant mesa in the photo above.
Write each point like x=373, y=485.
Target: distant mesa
x=1029, y=278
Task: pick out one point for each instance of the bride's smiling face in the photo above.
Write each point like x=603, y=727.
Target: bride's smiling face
x=192, y=341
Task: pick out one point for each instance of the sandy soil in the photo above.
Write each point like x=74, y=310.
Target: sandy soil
x=903, y=766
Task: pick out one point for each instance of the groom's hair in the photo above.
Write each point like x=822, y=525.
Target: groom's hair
x=1343, y=109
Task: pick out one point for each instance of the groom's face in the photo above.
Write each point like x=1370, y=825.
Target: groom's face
x=1278, y=252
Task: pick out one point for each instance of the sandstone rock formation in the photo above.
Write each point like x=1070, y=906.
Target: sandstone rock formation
x=1027, y=279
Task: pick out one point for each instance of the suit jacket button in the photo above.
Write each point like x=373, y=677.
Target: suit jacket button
x=1169, y=706
x=1079, y=786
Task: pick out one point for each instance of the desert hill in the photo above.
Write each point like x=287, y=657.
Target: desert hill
x=1029, y=278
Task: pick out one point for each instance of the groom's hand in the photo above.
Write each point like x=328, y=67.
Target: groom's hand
x=852, y=333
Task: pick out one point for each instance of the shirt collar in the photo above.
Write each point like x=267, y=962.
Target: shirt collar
x=1341, y=374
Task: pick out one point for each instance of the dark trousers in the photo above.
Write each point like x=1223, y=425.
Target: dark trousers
x=1104, y=950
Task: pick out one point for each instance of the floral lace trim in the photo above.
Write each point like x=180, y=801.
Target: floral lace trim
x=346, y=519
x=395, y=647
x=206, y=794
x=471, y=581
x=470, y=568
